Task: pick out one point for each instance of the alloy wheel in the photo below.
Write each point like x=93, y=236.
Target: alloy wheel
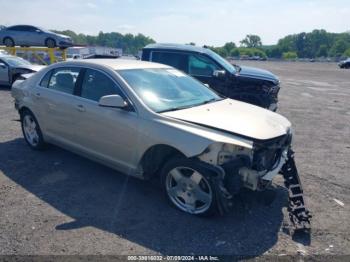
x=189, y=190
x=30, y=130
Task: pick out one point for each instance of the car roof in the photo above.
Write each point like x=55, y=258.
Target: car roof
x=179, y=47
x=20, y=25
x=118, y=64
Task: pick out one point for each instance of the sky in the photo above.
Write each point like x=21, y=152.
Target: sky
x=210, y=22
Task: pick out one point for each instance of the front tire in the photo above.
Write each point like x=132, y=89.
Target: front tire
x=188, y=187
x=50, y=43
x=31, y=131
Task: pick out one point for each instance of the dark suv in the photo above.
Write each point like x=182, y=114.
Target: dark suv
x=248, y=84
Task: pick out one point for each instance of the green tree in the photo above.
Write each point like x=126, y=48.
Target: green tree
x=322, y=51
x=251, y=41
x=338, y=47
x=289, y=55
x=235, y=52
x=274, y=51
x=347, y=53
x=228, y=47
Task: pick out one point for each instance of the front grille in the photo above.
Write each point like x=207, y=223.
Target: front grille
x=267, y=153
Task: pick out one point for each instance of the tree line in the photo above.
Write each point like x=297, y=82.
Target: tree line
x=318, y=43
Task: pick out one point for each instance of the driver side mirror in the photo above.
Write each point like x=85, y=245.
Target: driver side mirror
x=219, y=73
x=115, y=101
x=3, y=66
x=38, y=31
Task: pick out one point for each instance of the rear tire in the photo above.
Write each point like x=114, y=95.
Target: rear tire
x=31, y=131
x=188, y=188
x=8, y=41
x=50, y=43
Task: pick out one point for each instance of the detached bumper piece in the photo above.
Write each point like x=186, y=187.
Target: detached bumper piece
x=298, y=214
x=223, y=197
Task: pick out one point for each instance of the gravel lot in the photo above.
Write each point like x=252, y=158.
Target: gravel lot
x=55, y=202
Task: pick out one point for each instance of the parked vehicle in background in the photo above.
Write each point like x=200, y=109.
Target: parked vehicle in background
x=248, y=84
x=27, y=35
x=12, y=67
x=99, y=56
x=147, y=119
x=73, y=56
x=344, y=63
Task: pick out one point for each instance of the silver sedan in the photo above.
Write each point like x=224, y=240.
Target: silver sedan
x=27, y=35
x=146, y=119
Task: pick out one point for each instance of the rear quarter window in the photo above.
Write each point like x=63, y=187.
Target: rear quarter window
x=45, y=80
x=177, y=60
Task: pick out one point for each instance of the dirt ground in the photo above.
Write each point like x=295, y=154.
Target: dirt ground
x=57, y=203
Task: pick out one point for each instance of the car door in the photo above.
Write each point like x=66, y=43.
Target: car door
x=4, y=73
x=55, y=104
x=35, y=36
x=106, y=133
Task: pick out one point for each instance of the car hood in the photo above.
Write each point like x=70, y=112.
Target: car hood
x=253, y=72
x=63, y=36
x=235, y=117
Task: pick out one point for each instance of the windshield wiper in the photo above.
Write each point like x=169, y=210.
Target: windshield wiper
x=173, y=109
x=189, y=106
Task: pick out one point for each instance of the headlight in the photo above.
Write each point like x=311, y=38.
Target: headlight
x=229, y=152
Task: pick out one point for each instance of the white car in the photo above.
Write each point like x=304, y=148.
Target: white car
x=146, y=119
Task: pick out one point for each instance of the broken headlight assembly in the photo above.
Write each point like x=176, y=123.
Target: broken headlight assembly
x=230, y=152
x=221, y=153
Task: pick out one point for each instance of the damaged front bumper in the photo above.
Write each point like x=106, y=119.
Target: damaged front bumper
x=228, y=185
x=255, y=180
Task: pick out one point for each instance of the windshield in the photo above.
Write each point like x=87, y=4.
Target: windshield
x=228, y=66
x=15, y=61
x=167, y=89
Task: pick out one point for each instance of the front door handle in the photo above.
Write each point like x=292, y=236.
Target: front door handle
x=37, y=95
x=80, y=108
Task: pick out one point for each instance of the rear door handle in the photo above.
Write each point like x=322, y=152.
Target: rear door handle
x=80, y=108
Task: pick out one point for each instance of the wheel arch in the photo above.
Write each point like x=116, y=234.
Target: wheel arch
x=7, y=37
x=155, y=157
x=50, y=38
x=22, y=109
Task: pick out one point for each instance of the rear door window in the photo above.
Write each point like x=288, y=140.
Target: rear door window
x=96, y=84
x=15, y=28
x=177, y=60
x=64, y=79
